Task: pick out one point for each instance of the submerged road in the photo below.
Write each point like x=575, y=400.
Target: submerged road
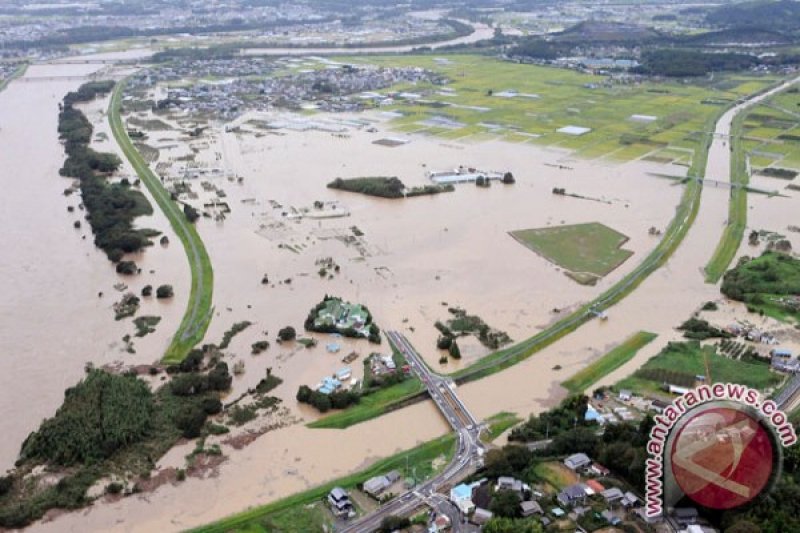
x=467, y=459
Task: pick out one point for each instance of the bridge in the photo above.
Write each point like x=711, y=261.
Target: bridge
x=468, y=456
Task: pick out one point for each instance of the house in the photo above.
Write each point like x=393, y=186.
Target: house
x=344, y=374
x=595, y=485
x=599, y=470
x=339, y=502
x=529, y=508
x=612, y=495
x=461, y=496
x=480, y=516
x=629, y=500
x=610, y=517
x=376, y=485
x=658, y=406
x=571, y=495
x=512, y=484
x=784, y=353
x=625, y=395
x=578, y=461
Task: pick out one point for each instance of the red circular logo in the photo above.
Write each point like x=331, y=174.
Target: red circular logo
x=722, y=457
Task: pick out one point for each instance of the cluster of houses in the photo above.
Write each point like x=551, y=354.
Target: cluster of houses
x=335, y=382
x=464, y=497
x=240, y=84
x=751, y=333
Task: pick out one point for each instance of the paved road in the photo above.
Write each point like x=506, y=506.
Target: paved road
x=468, y=456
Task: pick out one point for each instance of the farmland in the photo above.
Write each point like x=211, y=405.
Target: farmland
x=587, y=251
x=489, y=99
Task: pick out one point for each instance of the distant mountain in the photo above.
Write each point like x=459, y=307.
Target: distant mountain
x=596, y=31
x=781, y=15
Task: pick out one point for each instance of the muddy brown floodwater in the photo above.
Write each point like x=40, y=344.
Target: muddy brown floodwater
x=416, y=254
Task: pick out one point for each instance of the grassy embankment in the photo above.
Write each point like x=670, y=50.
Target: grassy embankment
x=680, y=362
x=265, y=517
x=608, y=363
x=16, y=74
x=498, y=424
x=198, y=310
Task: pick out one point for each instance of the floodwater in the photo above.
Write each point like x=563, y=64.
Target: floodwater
x=482, y=31
x=417, y=253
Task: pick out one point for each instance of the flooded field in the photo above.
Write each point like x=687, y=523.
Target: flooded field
x=415, y=257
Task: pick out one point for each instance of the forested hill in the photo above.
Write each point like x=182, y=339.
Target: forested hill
x=781, y=15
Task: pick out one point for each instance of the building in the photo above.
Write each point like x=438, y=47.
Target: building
x=572, y=495
x=512, y=484
x=578, y=461
x=461, y=496
x=480, y=516
x=629, y=500
x=376, y=485
x=625, y=395
x=339, y=502
x=599, y=470
x=595, y=485
x=612, y=495
x=344, y=374
x=529, y=508
x=329, y=385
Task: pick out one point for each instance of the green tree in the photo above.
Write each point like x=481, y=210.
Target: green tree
x=509, y=525
x=505, y=503
x=455, y=351
x=287, y=334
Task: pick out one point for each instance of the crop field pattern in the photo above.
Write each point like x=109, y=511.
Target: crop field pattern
x=771, y=132
x=489, y=99
x=588, y=251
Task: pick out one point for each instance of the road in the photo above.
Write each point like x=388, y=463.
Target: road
x=468, y=456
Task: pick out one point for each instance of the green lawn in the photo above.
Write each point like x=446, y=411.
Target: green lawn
x=372, y=405
x=499, y=423
x=608, y=363
x=197, y=317
x=591, y=248
x=679, y=363
x=289, y=511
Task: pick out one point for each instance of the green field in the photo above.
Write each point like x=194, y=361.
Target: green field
x=499, y=423
x=16, y=74
x=679, y=363
x=591, y=249
x=614, y=359
x=197, y=317
x=289, y=512
x=563, y=97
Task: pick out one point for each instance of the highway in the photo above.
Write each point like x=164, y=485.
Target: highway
x=468, y=456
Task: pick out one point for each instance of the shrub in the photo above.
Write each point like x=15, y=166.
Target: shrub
x=164, y=291
x=287, y=334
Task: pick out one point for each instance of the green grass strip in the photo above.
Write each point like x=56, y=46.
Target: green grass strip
x=608, y=363
x=419, y=457
x=197, y=317
x=498, y=424
x=16, y=74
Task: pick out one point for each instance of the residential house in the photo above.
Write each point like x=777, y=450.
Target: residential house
x=376, y=485
x=339, y=502
x=441, y=523
x=612, y=495
x=572, y=495
x=461, y=496
x=629, y=500
x=578, y=461
x=625, y=395
x=599, y=470
x=595, y=485
x=480, y=516
x=512, y=484
x=529, y=508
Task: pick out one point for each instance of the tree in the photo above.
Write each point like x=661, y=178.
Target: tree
x=509, y=525
x=444, y=342
x=508, y=178
x=455, y=351
x=287, y=334
x=393, y=523
x=164, y=291
x=304, y=394
x=191, y=213
x=505, y=503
